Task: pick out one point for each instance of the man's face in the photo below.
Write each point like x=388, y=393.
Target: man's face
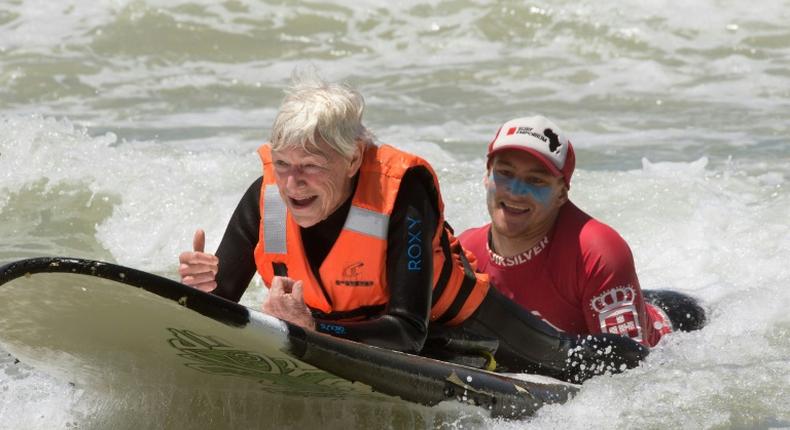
x=523, y=196
x=313, y=184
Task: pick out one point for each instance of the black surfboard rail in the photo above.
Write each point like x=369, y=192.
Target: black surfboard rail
x=212, y=306
x=412, y=378
x=428, y=381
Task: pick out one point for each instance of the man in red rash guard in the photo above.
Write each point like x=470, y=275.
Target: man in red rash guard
x=550, y=257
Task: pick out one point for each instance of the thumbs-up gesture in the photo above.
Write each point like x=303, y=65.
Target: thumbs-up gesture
x=198, y=269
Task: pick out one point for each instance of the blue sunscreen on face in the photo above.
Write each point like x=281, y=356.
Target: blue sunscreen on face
x=517, y=187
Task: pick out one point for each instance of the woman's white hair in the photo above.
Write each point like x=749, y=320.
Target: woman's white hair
x=315, y=111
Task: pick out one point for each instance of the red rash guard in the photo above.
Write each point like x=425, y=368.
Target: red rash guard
x=580, y=278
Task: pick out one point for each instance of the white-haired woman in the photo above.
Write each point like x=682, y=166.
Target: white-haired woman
x=350, y=238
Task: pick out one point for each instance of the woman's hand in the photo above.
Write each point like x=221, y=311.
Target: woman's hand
x=198, y=269
x=286, y=302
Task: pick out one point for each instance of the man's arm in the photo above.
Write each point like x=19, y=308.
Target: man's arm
x=612, y=298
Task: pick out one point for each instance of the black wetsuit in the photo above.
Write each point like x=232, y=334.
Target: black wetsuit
x=525, y=342
x=403, y=324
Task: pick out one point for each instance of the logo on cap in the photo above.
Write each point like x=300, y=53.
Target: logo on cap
x=548, y=136
x=541, y=138
x=554, y=140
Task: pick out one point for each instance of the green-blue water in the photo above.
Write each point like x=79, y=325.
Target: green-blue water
x=126, y=124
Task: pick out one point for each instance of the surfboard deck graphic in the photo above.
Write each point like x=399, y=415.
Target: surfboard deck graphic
x=101, y=324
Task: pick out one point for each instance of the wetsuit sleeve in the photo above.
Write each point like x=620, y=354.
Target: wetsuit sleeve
x=611, y=296
x=529, y=344
x=236, y=251
x=403, y=325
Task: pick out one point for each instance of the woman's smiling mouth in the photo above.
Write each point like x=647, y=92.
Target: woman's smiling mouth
x=303, y=202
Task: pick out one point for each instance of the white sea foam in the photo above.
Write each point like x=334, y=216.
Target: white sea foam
x=125, y=125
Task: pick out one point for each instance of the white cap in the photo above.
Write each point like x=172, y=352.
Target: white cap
x=542, y=139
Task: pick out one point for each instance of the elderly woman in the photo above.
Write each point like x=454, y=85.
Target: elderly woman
x=351, y=240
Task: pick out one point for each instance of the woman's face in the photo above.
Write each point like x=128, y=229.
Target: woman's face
x=313, y=184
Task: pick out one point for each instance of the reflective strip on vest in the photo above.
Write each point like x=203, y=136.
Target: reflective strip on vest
x=274, y=218
x=367, y=222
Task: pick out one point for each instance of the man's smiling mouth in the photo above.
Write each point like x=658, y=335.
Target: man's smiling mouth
x=513, y=209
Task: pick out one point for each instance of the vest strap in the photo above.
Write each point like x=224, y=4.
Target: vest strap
x=447, y=266
x=279, y=269
x=467, y=286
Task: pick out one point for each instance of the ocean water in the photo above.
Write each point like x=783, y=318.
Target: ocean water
x=127, y=124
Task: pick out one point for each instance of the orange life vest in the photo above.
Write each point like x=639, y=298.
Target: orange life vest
x=352, y=280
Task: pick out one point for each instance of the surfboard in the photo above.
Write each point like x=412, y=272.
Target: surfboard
x=98, y=324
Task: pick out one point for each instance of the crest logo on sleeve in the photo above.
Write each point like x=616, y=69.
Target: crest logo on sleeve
x=617, y=312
